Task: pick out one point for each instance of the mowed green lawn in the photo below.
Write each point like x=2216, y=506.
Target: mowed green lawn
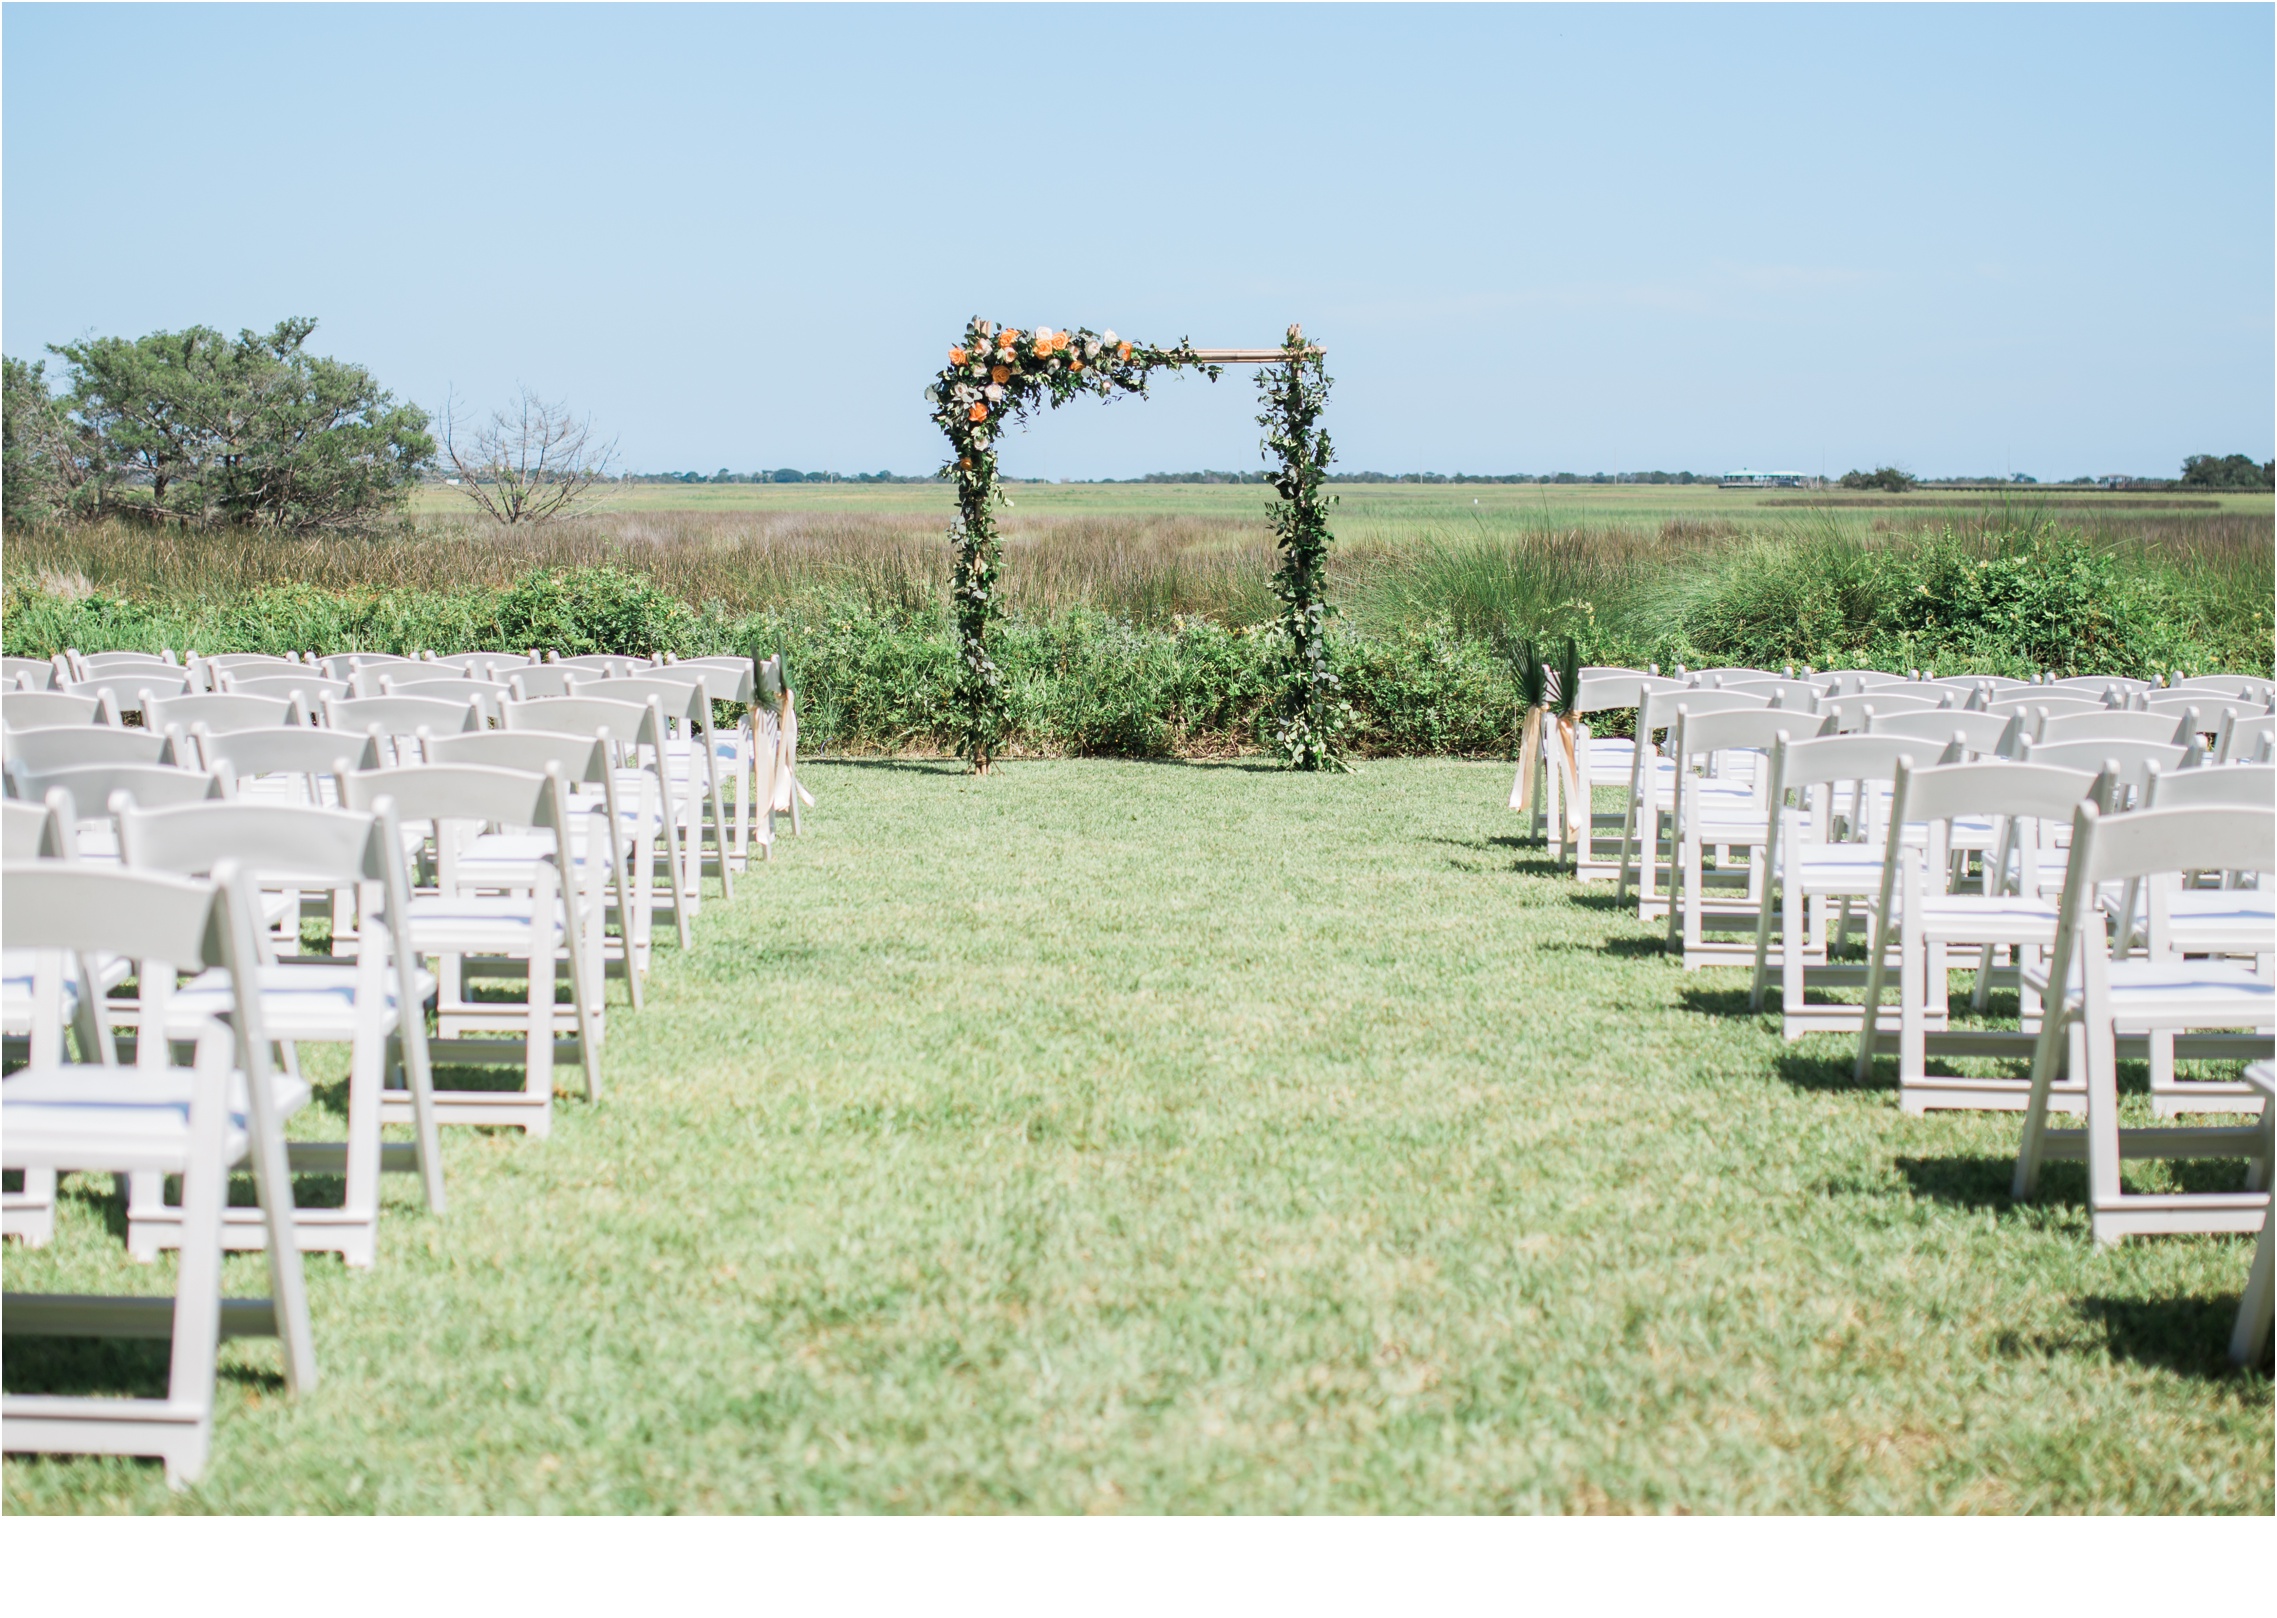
x=1159, y=1137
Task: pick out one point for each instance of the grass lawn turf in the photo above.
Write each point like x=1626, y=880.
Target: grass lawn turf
x=1170, y=1137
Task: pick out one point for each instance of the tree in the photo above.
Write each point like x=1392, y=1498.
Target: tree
x=531, y=462
x=2227, y=472
x=43, y=452
x=789, y=474
x=253, y=432
x=1882, y=477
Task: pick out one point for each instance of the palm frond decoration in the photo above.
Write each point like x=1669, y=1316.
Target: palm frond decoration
x=1526, y=664
x=1566, y=695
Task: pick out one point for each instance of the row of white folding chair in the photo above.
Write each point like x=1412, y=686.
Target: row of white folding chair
x=315, y=757
x=374, y=1003
x=2015, y=910
x=102, y=837
x=197, y=1122
x=2098, y=1003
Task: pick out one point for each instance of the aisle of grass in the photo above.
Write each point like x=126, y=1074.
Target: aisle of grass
x=1116, y=1136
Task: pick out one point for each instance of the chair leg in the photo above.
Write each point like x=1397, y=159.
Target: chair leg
x=2026, y=1183
x=367, y=1072
x=2250, y=1337
x=2104, y=1186
x=197, y=1285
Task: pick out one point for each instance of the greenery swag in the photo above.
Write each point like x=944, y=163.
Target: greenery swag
x=995, y=376
x=1309, y=715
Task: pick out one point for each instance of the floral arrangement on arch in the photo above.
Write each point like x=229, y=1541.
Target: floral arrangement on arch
x=996, y=375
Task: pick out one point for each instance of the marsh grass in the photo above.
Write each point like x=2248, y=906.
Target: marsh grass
x=1132, y=628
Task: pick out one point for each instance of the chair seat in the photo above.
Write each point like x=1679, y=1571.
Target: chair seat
x=460, y=924
x=2148, y=994
x=117, y=1120
x=2222, y=920
x=1976, y=918
x=311, y=1000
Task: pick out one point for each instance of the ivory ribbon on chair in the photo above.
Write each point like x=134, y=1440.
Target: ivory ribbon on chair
x=1570, y=764
x=1529, y=759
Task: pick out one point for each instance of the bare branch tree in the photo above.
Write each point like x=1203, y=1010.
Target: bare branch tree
x=531, y=462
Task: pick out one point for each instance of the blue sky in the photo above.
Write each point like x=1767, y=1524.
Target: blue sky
x=1539, y=238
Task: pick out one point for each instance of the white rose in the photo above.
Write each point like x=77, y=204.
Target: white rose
x=993, y=393
x=1108, y=338
x=1091, y=348
x=1043, y=334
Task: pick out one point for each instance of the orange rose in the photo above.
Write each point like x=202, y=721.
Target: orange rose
x=1075, y=365
x=999, y=375
x=1010, y=335
x=956, y=356
x=979, y=412
x=1124, y=352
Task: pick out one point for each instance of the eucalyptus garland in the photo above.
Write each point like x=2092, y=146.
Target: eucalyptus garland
x=1308, y=715
x=995, y=376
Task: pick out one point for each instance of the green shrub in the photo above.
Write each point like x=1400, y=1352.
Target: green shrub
x=1415, y=656
x=582, y=610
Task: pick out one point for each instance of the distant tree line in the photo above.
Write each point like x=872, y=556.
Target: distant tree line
x=196, y=428
x=2228, y=472
x=787, y=474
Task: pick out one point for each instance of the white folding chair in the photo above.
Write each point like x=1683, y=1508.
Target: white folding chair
x=607, y=847
x=37, y=710
x=27, y=673
x=1825, y=853
x=1596, y=763
x=373, y=1003
x=1924, y=914
x=129, y=688
x=155, y=1118
x=2095, y=1002
x=2179, y=730
x=39, y=1001
x=308, y=689
x=2244, y=687
x=2128, y=762
x=486, y=695
x=2245, y=737
x=1851, y=715
x=602, y=665
x=545, y=680
x=517, y=917
x=62, y=747
x=1981, y=734
x=1722, y=807
x=223, y=710
x=398, y=720
x=694, y=763
x=1645, y=852
x=92, y=787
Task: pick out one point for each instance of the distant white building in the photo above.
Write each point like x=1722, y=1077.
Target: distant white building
x=1745, y=478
